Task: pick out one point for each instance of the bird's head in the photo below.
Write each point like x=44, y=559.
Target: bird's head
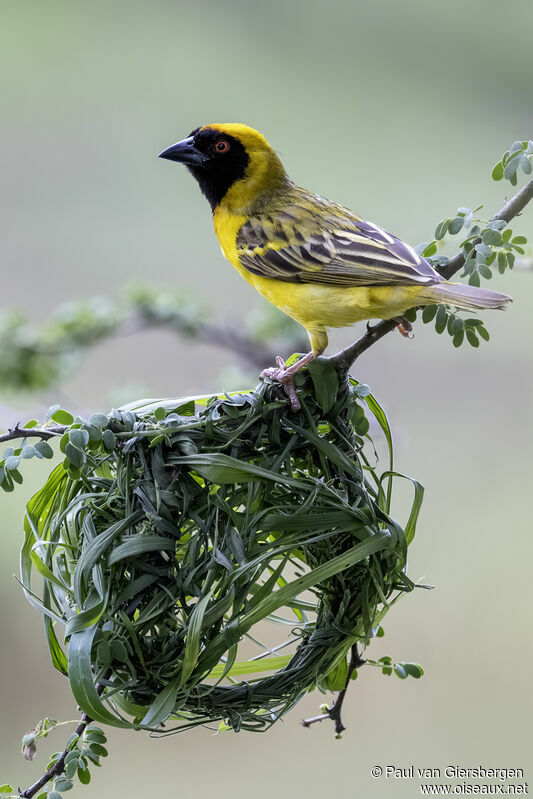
x=234, y=164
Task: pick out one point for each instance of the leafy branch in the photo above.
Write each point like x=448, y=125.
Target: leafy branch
x=84, y=749
x=40, y=359
x=477, y=251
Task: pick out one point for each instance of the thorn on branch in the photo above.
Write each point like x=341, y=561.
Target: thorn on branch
x=32, y=432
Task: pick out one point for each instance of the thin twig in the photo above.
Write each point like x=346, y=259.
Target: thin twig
x=334, y=713
x=33, y=432
x=223, y=336
x=345, y=358
x=59, y=766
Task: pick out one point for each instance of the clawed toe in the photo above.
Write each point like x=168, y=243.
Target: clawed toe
x=285, y=375
x=405, y=327
x=274, y=373
x=286, y=378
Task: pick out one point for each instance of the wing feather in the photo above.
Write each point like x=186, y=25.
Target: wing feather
x=325, y=243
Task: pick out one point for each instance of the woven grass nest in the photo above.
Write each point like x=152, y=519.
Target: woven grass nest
x=179, y=533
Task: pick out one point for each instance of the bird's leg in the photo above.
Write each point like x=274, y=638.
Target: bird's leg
x=404, y=326
x=285, y=375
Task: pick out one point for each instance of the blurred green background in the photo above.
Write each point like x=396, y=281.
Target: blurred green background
x=397, y=110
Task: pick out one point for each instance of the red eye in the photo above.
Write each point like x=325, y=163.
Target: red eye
x=222, y=146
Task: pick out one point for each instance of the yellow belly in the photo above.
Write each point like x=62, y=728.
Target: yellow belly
x=314, y=305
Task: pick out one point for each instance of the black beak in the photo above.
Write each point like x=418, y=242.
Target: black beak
x=184, y=152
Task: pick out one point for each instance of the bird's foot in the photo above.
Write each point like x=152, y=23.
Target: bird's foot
x=405, y=327
x=282, y=374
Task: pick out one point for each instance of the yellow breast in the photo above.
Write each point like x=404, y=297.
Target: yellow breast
x=314, y=305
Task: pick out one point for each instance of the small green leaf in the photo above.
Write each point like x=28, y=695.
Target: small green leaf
x=99, y=420
x=429, y=312
x=451, y=320
x=442, y=229
x=12, y=463
x=104, y=654
x=491, y=237
x=6, y=788
x=472, y=338
x=336, y=679
x=362, y=426
x=441, y=319
x=109, y=439
x=456, y=225
x=70, y=768
x=62, y=784
x=84, y=776
x=98, y=749
x=325, y=381
x=28, y=451
x=483, y=250
x=31, y=423
x=62, y=417
x=75, y=456
x=400, y=671
x=79, y=438
x=118, y=651
x=429, y=249
x=45, y=449
x=497, y=172
x=484, y=333
x=458, y=338
x=17, y=477
x=160, y=414
x=414, y=670
x=510, y=169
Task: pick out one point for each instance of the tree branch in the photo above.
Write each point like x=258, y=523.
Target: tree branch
x=33, y=432
x=59, y=766
x=344, y=359
x=223, y=336
x=334, y=712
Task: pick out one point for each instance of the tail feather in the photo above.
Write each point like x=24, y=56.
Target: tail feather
x=467, y=297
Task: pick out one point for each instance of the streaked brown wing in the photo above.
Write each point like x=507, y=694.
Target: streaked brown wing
x=346, y=252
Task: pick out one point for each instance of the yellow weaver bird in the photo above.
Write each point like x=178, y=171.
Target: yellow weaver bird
x=318, y=262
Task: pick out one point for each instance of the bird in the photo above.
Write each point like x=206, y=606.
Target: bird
x=314, y=259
